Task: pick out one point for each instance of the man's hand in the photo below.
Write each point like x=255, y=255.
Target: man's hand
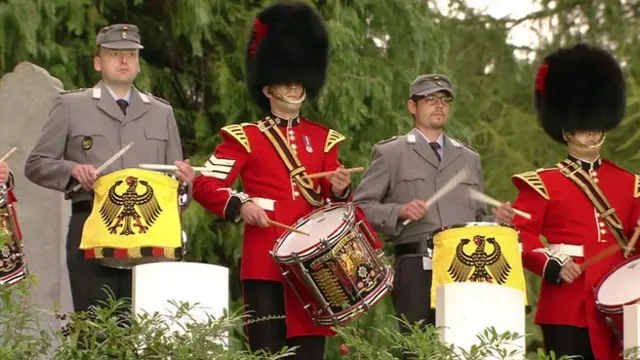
x=4, y=172
x=340, y=180
x=85, y=174
x=253, y=214
x=414, y=210
x=185, y=172
x=504, y=213
x=570, y=271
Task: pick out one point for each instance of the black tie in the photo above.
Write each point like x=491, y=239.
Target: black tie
x=123, y=105
x=435, y=146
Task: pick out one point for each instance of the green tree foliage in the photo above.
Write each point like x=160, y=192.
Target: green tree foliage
x=193, y=57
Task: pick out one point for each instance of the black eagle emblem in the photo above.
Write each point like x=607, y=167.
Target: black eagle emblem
x=486, y=267
x=130, y=208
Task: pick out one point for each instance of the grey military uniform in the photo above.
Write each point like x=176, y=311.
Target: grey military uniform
x=403, y=169
x=406, y=168
x=88, y=127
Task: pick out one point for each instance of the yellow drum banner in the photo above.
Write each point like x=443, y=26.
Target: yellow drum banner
x=135, y=214
x=477, y=252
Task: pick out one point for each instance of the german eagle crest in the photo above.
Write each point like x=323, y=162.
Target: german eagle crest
x=489, y=268
x=128, y=209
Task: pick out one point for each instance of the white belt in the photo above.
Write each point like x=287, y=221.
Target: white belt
x=265, y=204
x=570, y=250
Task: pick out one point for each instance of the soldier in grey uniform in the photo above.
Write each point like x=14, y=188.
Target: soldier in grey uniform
x=407, y=170
x=88, y=126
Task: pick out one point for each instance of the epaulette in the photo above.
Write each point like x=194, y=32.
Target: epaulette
x=534, y=180
x=386, y=140
x=333, y=138
x=237, y=132
x=636, y=190
x=63, y=92
x=158, y=98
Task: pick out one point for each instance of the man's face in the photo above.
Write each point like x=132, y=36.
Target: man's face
x=584, y=138
x=117, y=66
x=431, y=111
x=285, y=97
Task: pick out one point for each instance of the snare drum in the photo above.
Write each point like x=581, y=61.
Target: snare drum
x=617, y=289
x=13, y=265
x=334, y=272
x=487, y=252
x=135, y=219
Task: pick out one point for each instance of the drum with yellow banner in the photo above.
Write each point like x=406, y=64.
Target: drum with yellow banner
x=477, y=252
x=135, y=219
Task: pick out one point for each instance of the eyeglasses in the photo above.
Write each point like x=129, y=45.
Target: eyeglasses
x=433, y=99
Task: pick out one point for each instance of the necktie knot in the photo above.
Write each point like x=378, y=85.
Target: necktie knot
x=435, y=146
x=123, y=105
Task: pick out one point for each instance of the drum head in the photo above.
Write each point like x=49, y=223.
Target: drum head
x=320, y=224
x=619, y=287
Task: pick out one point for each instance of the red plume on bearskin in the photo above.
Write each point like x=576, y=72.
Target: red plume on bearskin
x=579, y=88
x=289, y=43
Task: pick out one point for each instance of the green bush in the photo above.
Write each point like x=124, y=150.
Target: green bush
x=104, y=332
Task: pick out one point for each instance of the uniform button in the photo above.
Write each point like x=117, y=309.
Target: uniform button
x=603, y=231
x=295, y=193
x=290, y=132
x=293, y=146
x=595, y=181
x=292, y=138
x=602, y=223
x=594, y=174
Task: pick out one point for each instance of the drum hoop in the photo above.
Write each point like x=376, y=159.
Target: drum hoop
x=470, y=225
x=332, y=237
x=597, y=288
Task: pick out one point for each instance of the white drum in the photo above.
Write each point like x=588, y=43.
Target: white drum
x=157, y=285
x=617, y=289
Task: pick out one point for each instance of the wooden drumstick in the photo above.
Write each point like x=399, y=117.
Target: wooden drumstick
x=444, y=190
x=275, y=223
x=632, y=243
x=477, y=195
x=327, y=173
x=8, y=154
x=107, y=163
x=612, y=250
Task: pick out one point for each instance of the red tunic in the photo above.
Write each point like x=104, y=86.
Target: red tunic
x=563, y=214
x=246, y=152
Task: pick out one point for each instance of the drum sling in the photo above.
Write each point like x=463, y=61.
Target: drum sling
x=593, y=192
x=296, y=170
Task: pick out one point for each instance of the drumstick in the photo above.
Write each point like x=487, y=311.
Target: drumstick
x=477, y=195
x=326, y=173
x=443, y=190
x=108, y=162
x=274, y=223
x=8, y=154
x=169, y=167
x=612, y=250
x=632, y=242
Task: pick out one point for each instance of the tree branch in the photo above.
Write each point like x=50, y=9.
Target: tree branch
x=544, y=13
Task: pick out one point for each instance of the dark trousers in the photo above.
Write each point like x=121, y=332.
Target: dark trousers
x=567, y=340
x=88, y=277
x=411, y=293
x=266, y=298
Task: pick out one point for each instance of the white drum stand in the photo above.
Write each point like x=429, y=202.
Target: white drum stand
x=465, y=310
x=204, y=287
x=631, y=325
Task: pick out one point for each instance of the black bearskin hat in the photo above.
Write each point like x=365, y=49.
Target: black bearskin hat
x=579, y=88
x=289, y=43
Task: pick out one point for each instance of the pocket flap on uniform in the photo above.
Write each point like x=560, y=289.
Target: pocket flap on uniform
x=410, y=175
x=156, y=133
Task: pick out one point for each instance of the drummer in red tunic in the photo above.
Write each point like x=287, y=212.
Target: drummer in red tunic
x=582, y=205
x=286, y=61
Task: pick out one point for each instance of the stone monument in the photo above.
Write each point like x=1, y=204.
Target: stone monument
x=26, y=96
